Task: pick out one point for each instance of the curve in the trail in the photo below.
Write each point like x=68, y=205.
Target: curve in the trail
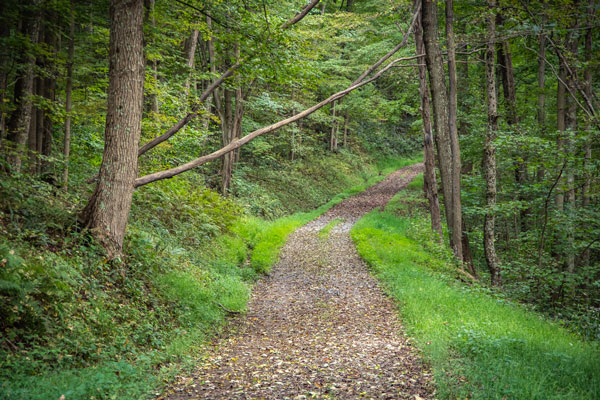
x=319, y=326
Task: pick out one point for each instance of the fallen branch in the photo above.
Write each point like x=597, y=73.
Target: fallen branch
x=227, y=310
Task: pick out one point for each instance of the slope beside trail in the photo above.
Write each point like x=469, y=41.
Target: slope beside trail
x=319, y=326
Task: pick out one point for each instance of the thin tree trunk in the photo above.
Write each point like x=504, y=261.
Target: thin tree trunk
x=430, y=182
x=32, y=140
x=571, y=125
x=435, y=67
x=453, y=133
x=107, y=211
x=151, y=99
x=489, y=153
x=346, y=121
x=505, y=65
x=587, y=178
x=333, y=135
x=68, y=98
x=51, y=41
x=18, y=125
x=190, y=54
x=541, y=97
x=561, y=107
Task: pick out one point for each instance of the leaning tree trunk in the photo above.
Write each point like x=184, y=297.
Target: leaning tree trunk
x=489, y=152
x=430, y=185
x=435, y=67
x=107, y=211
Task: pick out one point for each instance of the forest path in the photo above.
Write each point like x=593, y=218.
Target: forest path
x=319, y=326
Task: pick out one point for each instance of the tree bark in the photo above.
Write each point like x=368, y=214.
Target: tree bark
x=561, y=107
x=346, y=121
x=430, y=182
x=453, y=133
x=541, y=97
x=68, y=98
x=18, y=125
x=333, y=135
x=509, y=89
x=107, y=211
x=151, y=99
x=190, y=55
x=489, y=153
x=435, y=67
x=587, y=178
x=49, y=94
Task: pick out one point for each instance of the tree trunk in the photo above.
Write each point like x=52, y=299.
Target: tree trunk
x=489, y=152
x=453, y=133
x=571, y=125
x=18, y=125
x=32, y=139
x=51, y=41
x=541, y=97
x=107, y=211
x=190, y=53
x=346, y=121
x=561, y=107
x=505, y=65
x=68, y=98
x=151, y=99
x=587, y=177
x=430, y=182
x=435, y=67
x=334, y=126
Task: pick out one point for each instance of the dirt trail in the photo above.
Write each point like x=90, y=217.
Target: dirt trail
x=319, y=326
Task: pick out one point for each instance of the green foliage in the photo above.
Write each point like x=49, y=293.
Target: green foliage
x=481, y=346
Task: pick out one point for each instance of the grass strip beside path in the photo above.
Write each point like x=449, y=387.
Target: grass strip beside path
x=480, y=345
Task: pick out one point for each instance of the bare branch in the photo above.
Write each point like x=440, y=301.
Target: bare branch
x=209, y=90
x=394, y=50
x=242, y=141
x=301, y=14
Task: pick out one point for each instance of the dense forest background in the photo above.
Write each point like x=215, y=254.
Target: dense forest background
x=518, y=178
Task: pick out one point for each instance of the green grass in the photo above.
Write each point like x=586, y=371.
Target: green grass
x=480, y=345
x=324, y=232
x=87, y=328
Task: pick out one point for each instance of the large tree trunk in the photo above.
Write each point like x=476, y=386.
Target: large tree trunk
x=430, y=182
x=68, y=98
x=18, y=125
x=435, y=67
x=107, y=211
x=457, y=233
x=489, y=152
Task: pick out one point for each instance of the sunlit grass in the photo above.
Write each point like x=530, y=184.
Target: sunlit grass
x=480, y=345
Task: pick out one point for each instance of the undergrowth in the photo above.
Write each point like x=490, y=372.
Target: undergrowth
x=76, y=324
x=481, y=345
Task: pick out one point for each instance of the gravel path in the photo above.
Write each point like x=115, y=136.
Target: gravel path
x=319, y=326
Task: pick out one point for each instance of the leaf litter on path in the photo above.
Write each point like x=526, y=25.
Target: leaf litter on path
x=318, y=326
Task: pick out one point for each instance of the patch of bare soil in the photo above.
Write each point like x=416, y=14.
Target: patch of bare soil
x=319, y=326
